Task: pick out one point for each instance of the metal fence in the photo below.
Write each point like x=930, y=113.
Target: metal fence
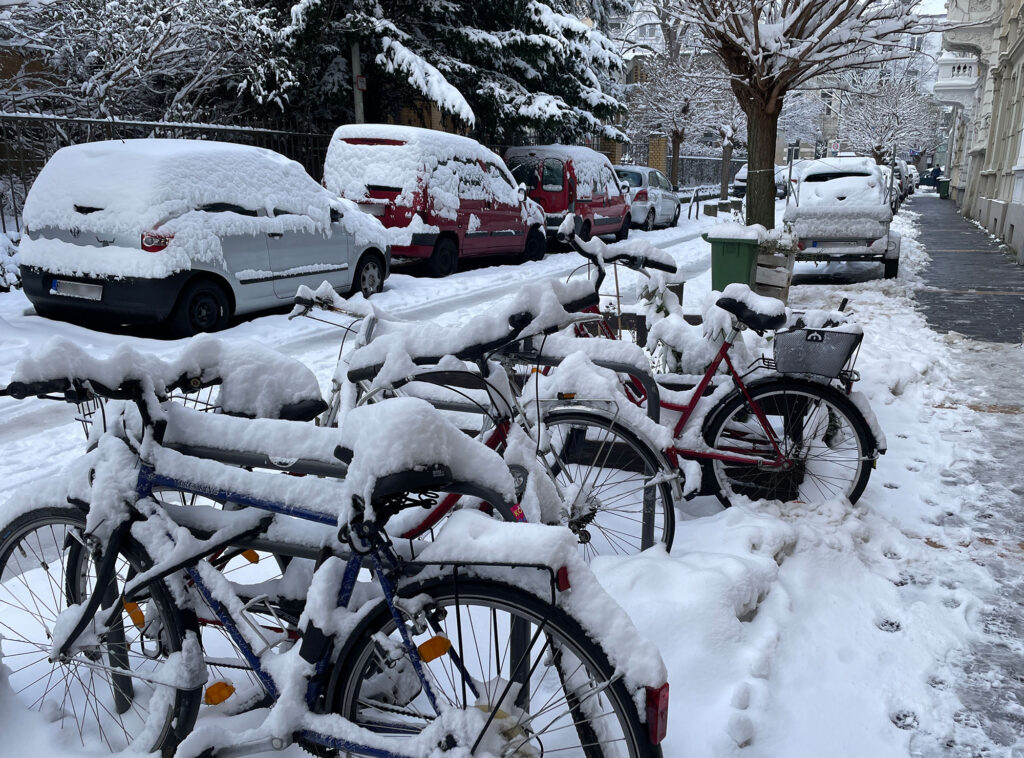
x=27, y=140
x=697, y=171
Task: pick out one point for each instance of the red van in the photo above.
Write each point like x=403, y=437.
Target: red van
x=459, y=197
x=573, y=179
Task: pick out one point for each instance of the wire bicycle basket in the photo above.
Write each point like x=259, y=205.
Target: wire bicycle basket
x=92, y=409
x=820, y=352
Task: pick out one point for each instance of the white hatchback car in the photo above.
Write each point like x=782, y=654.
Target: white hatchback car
x=188, y=233
x=651, y=197
x=841, y=212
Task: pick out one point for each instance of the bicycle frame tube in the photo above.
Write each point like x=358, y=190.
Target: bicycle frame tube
x=687, y=410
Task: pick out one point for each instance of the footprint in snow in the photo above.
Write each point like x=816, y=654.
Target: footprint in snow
x=889, y=625
x=891, y=486
x=904, y=719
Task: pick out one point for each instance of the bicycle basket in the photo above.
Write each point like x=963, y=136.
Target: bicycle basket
x=822, y=352
x=93, y=407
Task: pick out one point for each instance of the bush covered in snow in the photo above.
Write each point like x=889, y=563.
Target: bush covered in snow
x=10, y=278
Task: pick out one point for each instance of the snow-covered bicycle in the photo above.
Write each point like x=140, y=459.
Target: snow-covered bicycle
x=398, y=649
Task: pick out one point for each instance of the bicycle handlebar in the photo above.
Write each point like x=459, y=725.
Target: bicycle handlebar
x=77, y=390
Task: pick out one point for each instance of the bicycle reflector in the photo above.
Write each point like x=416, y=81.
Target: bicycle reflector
x=251, y=555
x=657, y=712
x=135, y=614
x=562, y=579
x=220, y=691
x=433, y=648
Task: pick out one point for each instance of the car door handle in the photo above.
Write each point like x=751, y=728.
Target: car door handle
x=275, y=235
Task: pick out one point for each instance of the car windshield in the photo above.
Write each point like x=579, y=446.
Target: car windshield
x=524, y=170
x=635, y=178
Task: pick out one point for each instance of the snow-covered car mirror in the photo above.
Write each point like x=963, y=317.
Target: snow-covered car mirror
x=523, y=190
x=336, y=215
x=624, y=187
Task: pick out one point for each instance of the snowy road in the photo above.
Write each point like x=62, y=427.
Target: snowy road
x=791, y=631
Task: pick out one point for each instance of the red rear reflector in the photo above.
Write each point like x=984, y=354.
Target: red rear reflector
x=154, y=242
x=641, y=197
x=657, y=713
x=562, y=579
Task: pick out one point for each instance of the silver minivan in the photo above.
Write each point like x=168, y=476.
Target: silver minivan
x=188, y=233
x=651, y=197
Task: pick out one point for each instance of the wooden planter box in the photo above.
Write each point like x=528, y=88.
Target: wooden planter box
x=774, y=274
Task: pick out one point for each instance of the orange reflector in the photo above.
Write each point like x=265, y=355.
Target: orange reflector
x=433, y=648
x=566, y=395
x=251, y=555
x=135, y=614
x=218, y=692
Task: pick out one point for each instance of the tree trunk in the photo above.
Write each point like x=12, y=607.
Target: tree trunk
x=677, y=141
x=726, y=164
x=762, y=130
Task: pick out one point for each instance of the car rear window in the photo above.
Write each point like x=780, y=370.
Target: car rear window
x=635, y=178
x=829, y=176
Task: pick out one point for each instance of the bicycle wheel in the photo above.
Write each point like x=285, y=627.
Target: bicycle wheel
x=545, y=687
x=823, y=436
x=605, y=471
x=45, y=566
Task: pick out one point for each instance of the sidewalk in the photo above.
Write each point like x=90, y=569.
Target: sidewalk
x=973, y=287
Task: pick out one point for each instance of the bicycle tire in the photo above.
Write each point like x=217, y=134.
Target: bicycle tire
x=604, y=466
x=836, y=462
x=106, y=711
x=554, y=649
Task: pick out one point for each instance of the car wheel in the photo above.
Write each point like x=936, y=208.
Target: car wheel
x=623, y=232
x=675, y=216
x=369, y=278
x=536, y=245
x=892, y=268
x=585, y=231
x=445, y=260
x=202, y=306
x=648, y=224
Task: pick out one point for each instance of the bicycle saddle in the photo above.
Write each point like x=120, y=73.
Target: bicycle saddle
x=759, y=321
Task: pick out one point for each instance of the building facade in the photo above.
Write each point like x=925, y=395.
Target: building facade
x=982, y=75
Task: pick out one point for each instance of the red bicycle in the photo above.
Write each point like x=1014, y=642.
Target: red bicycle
x=788, y=436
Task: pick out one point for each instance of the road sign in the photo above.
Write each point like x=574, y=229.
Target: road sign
x=361, y=83
x=834, y=145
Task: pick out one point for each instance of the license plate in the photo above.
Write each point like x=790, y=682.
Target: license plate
x=76, y=289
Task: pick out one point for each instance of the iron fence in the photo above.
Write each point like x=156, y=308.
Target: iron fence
x=27, y=140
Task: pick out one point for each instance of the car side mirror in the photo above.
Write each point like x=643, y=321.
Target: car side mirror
x=675, y=187
x=624, y=187
x=336, y=215
x=523, y=191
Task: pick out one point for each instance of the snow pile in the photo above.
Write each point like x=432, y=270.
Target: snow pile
x=196, y=192
x=9, y=273
x=407, y=160
x=732, y=230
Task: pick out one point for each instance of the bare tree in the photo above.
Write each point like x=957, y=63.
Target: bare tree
x=771, y=47
x=674, y=98
x=886, y=112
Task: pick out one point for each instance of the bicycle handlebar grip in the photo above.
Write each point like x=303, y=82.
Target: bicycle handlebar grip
x=667, y=267
x=21, y=390
x=305, y=302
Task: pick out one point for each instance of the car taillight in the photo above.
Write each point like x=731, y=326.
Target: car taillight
x=641, y=197
x=154, y=242
x=657, y=713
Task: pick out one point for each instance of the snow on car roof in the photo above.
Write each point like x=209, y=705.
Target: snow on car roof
x=131, y=186
x=392, y=156
x=832, y=165
x=578, y=154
